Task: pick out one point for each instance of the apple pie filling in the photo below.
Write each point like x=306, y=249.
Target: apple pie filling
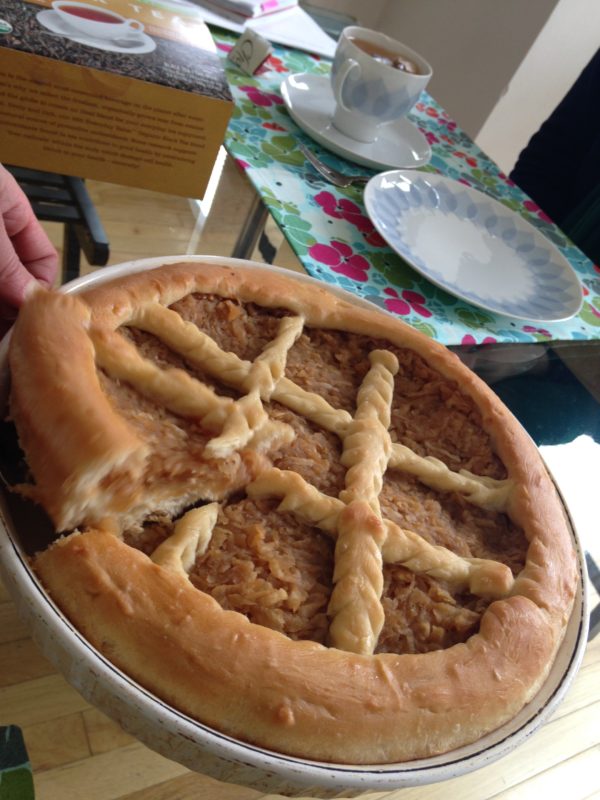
x=277, y=568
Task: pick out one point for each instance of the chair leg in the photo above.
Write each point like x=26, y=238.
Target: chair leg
x=71, y=253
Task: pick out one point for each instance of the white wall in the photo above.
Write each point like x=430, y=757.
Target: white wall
x=366, y=12
x=564, y=46
x=474, y=47
x=500, y=66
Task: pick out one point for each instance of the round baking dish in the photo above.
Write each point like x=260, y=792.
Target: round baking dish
x=206, y=750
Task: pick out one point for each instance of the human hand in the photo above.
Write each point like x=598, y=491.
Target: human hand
x=26, y=253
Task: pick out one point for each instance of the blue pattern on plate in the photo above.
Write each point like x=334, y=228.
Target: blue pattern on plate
x=554, y=290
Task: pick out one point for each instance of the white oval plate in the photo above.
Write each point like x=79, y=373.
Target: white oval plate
x=309, y=101
x=473, y=246
x=203, y=749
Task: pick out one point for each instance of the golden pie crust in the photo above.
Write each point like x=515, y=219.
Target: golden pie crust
x=97, y=475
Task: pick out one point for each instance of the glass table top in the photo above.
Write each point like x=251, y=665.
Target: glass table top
x=554, y=391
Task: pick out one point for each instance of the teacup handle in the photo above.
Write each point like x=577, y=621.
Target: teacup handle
x=340, y=77
x=134, y=24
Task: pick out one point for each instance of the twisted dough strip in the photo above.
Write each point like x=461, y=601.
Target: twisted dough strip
x=190, y=539
x=240, y=423
x=190, y=342
x=355, y=608
x=367, y=444
x=298, y=497
x=173, y=388
x=268, y=368
x=199, y=349
x=481, y=491
x=248, y=422
x=483, y=577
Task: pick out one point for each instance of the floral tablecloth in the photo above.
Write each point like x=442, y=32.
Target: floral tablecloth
x=335, y=240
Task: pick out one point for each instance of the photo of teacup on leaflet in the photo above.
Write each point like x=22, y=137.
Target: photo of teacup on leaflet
x=99, y=23
x=376, y=81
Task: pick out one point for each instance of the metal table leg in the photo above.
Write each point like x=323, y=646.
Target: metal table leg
x=251, y=231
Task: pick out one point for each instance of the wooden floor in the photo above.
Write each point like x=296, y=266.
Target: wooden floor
x=77, y=753
x=143, y=224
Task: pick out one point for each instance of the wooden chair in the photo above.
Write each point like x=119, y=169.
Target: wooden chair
x=62, y=198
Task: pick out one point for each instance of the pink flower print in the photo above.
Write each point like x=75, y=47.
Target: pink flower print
x=226, y=48
x=535, y=209
x=374, y=239
x=261, y=98
x=328, y=203
x=506, y=179
x=469, y=339
x=340, y=257
x=273, y=126
x=346, y=209
x=431, y=137
x=409, y=301
x=241, y=163
x=450, y=124
x=542, y=331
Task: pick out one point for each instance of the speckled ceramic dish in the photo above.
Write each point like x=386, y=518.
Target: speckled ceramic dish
x=197, y=746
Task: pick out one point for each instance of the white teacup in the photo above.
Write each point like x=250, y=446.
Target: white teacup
x=369, y=90
x=97, y=22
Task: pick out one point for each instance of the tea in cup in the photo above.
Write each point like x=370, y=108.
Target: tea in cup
x=376, y=81
x=99, y=23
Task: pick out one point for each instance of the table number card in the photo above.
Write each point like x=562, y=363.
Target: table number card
x=250, y=51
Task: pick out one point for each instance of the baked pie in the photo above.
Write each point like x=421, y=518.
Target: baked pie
x=296, y=520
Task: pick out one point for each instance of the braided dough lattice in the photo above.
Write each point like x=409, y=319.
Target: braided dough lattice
x=364, y=539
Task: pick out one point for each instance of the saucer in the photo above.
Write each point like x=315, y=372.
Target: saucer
x=473, y=246
x=50, y=20
x=309, y=101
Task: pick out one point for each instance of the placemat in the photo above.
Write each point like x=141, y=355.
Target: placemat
x=335, y=240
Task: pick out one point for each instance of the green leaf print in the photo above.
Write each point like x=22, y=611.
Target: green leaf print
x=590, y=313
x=512, y=203
x=395, y=269
x=275, y=204
x=473, y=317
x=247, y=152
x=251, y=110
x=298, y=232
x=284, y=149
x=296, y=61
